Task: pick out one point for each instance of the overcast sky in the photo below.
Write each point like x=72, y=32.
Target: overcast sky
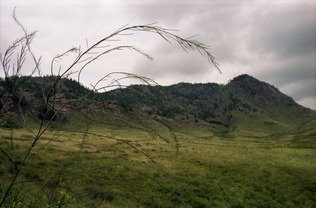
x=273, y=41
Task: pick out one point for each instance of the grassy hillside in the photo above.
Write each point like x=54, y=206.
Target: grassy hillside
x=127, y=164
x=244, y=105
x=243, y=144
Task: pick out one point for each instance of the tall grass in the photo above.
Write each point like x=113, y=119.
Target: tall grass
x=206, y=172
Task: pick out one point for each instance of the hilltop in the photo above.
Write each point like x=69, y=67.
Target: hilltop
x=244, y=106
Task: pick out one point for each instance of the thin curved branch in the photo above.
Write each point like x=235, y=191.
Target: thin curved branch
x=111, y=50
x=115, y=82
x=166, y=34
x=37, y=62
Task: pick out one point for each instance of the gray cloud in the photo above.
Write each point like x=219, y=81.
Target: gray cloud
x=273, y=41
x=172, y=60
x=287, y=32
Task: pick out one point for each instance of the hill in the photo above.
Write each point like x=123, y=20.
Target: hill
x=245, y=105
x=244, y=144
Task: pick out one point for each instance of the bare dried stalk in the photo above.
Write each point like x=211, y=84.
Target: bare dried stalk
x=185, y=43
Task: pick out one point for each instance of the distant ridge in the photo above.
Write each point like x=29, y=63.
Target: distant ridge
x=244, y=104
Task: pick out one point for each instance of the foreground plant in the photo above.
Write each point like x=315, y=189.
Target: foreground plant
x=21, y=47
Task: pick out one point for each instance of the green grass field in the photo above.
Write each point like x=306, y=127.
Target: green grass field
x=140, y=166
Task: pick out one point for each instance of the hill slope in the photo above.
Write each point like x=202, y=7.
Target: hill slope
x=245, y=106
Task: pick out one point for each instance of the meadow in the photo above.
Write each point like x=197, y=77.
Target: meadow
x=140, y=165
